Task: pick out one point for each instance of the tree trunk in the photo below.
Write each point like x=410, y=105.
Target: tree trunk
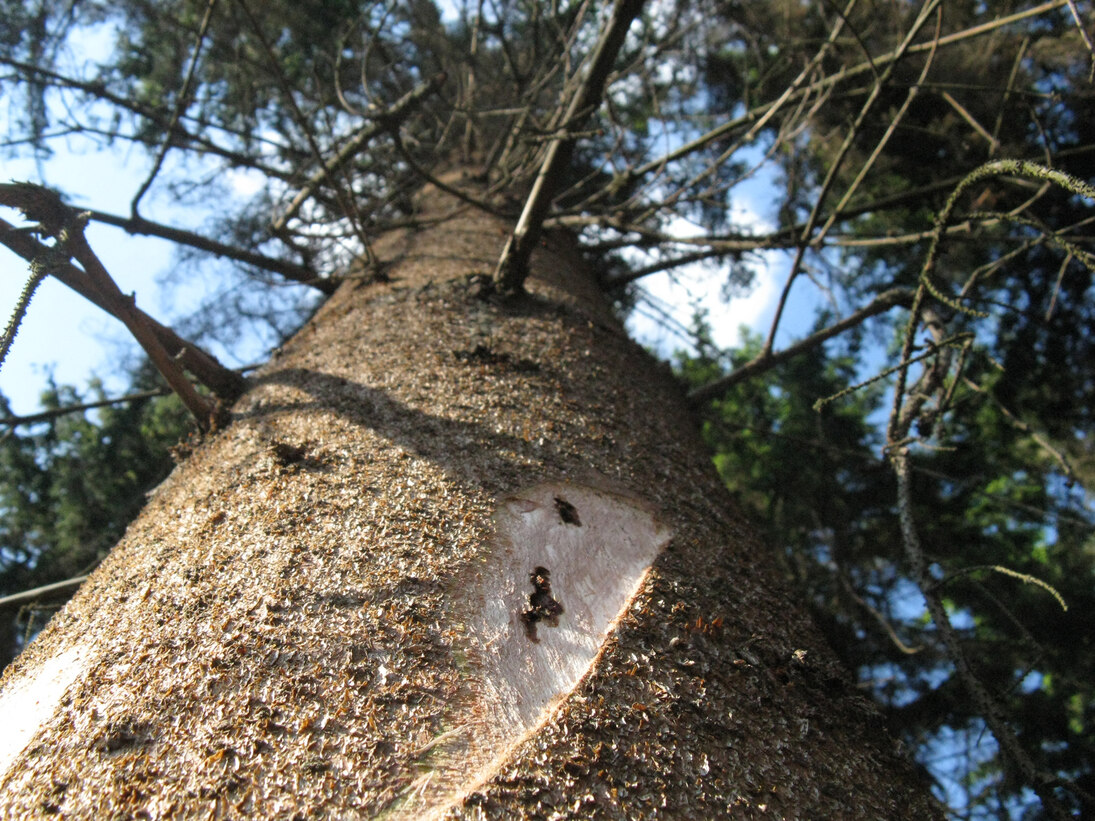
x=452, y=557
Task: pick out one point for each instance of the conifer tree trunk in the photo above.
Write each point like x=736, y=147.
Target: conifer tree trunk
x=452, y=557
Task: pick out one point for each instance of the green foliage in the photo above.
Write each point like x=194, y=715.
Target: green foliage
x=989, y=497
x=1003, y=476
x=70, y=485
x=1002, y=466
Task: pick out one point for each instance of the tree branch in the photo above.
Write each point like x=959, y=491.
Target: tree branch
x=513, y=265
x=38, y=592
x=826, y=186
x=99, y=90
x=45, y=416
x=181, y=236
x=882, y=302
x=987, y=705
x=223, y=382
x=387, y=120
x=72, y=240
x=754, y=115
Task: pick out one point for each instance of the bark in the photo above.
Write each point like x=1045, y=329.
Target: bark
x=453, y=557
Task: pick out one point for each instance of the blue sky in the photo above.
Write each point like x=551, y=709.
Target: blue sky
x=64, y=335
x=62, y=332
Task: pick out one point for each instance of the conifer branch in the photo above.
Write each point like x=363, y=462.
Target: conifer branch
x=57, y=220
x=995, y=168
x=987, y=705
x=1026, y=578
x=933, y=348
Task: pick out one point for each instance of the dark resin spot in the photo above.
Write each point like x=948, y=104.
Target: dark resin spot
x=568, y=513
x=542, y=605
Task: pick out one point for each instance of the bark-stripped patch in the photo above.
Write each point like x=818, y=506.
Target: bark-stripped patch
x=593, y=562
x=26, y=707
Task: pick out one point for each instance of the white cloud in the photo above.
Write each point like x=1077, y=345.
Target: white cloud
x=677, y=295
x=245, y=181
x=670, y=299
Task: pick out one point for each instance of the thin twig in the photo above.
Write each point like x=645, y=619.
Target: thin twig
x=182, y=102
x=346, y=200
x=885, y=139
x=38, y=592
x=1084, y=35
x=763, y=362
x=964, y=113
x=1019, y=424
x=828, y=81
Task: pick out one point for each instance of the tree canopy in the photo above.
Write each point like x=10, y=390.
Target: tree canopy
x=921, y=457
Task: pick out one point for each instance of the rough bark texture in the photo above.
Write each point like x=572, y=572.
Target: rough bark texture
x=290, y=628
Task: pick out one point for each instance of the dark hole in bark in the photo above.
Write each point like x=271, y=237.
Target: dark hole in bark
x=568, y=513
x=542, y=605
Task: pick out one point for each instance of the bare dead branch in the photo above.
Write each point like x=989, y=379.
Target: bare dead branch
x=663, y=265
x=513, y=265
x=1084, y=35
x=879, y=617
x=181, y=236
x=223, y=382
x=45, y=416
x=895, y=120
x=994, y=145
x=182, y=102
x=1026, y=428
x=346, y=200
x=72, y=240
x=38, y=592
x=766, y=361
